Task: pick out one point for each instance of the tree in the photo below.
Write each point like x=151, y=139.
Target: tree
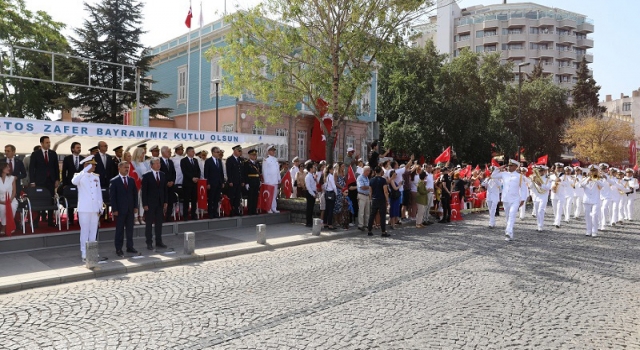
x=537, y=72
x=598, y=139
x=19, y=27
x=585, y=93
x=288, y=53
x=544, y=113
x=112, y=34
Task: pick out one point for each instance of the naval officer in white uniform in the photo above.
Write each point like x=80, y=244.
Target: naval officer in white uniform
x=89, y=202
x=271, y=175
x=514, y=193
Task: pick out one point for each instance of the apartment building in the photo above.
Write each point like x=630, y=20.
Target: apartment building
x=521, y=32
x=626, y=109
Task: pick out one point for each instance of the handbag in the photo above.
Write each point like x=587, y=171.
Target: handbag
x=330, y=195
x=395, y=194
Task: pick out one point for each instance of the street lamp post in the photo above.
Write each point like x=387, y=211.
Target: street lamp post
x=217, y=82
x=520, y=107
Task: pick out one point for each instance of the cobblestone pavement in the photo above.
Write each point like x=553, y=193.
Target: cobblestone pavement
x=443, y=287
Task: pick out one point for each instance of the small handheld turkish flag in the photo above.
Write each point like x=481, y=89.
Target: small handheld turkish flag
x=351, y=177
x=495, y=163
x=287, y=187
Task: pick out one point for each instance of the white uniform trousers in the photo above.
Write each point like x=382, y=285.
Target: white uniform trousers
x=568, y=205
x=536, y=205
x=629, y=208
x=541, y=208
x=511, y=211
x=591, y=216
x=579, y=207
x=522, y=210
x=88, y=229
x=605, y=212
x=492, y=212
x=558, y=209
x=622, y=208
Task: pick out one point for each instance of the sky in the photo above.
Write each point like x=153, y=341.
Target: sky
x=615, y=49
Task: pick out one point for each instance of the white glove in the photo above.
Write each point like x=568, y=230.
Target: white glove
x=247, y=187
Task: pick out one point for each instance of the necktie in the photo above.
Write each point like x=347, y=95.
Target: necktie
x=124, y=182
x=75, y=162
x=11, y=165
x=46, y=157
x=157, y=179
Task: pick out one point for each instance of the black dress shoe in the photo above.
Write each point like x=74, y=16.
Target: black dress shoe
x=308, y=225
x=385, y=235
x=120, y=253
x=149, y=246
x=51, y=224
x=161, y=245
x=132, y=251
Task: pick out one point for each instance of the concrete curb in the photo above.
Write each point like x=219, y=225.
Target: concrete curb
x=75, y=274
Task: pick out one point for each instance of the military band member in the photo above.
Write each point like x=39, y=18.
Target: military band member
x=89, y=202
x=252, y=173
x=493, y=187
x=523, y=171
x=605, y=196
x=568, y=173
x=617, y=189
x=591, y=184
x=514, y=193
x=578, y=192
x=271, y=174
x=559, y=193
x=540, y=187
x=631, y=184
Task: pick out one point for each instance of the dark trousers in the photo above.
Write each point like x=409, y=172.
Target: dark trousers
x=252, y=196
x=378, y=206
x=235, y=197
x=311, y=203
x=154, y=216
x=328, y=211
x=446, y=208
x=124, y=224
x=190, y=203
x=214, y=202
x=353, y=195
x=497, y=213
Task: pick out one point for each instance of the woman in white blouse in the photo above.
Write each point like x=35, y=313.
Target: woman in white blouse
x=142, y=167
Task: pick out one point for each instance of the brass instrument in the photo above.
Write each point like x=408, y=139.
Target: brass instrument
x=536, y=180
x=556, y=183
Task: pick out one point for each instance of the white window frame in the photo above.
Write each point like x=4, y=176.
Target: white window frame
x=255, y=130
x=148, y=83
x=282, y=151
x=302, y=144
x=216, y=73
x=350, y=141
x=228, y=128
x=282, y=132
x=365, y=101
x=182, y=85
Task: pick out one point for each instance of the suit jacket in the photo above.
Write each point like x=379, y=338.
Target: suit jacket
x=234, y=170
x=154, y=193
x=40, y=172
x=169, y=170
x=123, y=200
x=213, y=173
x=19, y=171
x=104, y=170
x=69, y=169
x=189, y=171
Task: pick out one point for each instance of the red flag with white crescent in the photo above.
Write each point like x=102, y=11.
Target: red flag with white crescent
x=351, y=177
x=225, y=206
x=134, y=175
x=444, y=157
x=267, y=192
x=530, y=169
x=11, y=224
x=543, y=160
x=495, y=163
x=487, y=172
x=287, y=187
x=187, y=21
x=202, y=194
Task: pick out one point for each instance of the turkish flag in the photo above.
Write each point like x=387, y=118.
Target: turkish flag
x=225, y=205
x=543, y=160
x=487, y=172
x=465, y=172
x=635, y=167
x=632, y=152
x=421, y=160
x=202, y=194
x=187, y=21
x=444, y=157
x=134, y=175
x=351, y=177
x=267, y=192
x=11, y=224
x=494, y=163
x=477, y=168
x=319, y=140
x=530, y=169
x=287, y=187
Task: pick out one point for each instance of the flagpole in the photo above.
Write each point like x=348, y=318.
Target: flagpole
x=200, y=68
x=188, y=66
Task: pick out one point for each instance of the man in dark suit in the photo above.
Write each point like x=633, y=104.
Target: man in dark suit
x=154, y=202
x=214, y=174
x=71, y=166
x=252, y=173
x=15, y=166
x=235, y=182
x=169, y=169
x=123, y=197
x=104, y=166
x=191, y=175
x=44, y=171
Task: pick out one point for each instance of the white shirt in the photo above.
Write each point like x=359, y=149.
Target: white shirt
x=271, y=171
x=591, y=189
x=310, y=182
x=176, y=164
x=514, y=186
x=330, y=185
x=429, y=181
x=89, y=192
x=562, y=191
x=493, y=189
x=414, y=183
x=546, y=187
x=294, y=172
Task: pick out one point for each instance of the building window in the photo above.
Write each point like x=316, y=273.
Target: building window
x=216, y=74
x=365, y=105
x=282, y=132
x=261, y=150
x=146, y=81
x=258, y=131
x=351, y=142
x=282, y=152
x=302, y=144
x=626, y=107
x=182, y=84
x=228, y=127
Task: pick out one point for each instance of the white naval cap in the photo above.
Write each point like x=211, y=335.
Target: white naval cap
x=558, y=164
x=154, y=148
x=178, y=146
x=604, y=165
x=568, y=168
x=88, y=160
x=271, y=147
x=514, y=162
x=350, y=149
x=593, y=166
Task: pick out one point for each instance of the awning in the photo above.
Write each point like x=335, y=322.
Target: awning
x=24, y=134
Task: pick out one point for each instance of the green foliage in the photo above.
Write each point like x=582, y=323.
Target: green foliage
x=289, y=53
x=537, y=72
x=585, y=93
x=112, y=34
x=20, y=98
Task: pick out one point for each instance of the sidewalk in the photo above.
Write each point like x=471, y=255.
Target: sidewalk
x=25, y=270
